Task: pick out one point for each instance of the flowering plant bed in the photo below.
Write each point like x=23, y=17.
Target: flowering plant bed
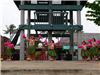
x=9, y=48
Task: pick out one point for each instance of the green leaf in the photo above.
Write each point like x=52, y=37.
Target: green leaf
x=93, y=14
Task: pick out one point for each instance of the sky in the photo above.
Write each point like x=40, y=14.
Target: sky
x=9, y=14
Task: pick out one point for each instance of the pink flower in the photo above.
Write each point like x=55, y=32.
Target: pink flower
x=80, y=46
x=98, y=41
x=7, y=43
x=11, y=46
x=89, y=40
x=23, y=36
x=46, y=42
x=89, y=45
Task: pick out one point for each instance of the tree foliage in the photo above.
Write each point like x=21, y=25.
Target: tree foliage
x=10, y=29
x=94, y=13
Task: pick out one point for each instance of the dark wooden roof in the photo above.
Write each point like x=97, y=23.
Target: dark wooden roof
x=63, y=2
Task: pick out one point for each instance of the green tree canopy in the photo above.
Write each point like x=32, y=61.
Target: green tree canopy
x=94, y=13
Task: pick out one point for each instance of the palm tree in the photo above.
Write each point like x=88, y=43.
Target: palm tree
x=10, y=30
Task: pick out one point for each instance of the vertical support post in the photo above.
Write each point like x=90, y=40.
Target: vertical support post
x=78, y=15
x=50, y=18
x=28, y=32
x=50, y=22
x=28, y=22
x=49, y=37
x=79, y=41
x=79, y=35
x=49, y=32
x=0, y=47
x=71, y=34
x=22, y=44
x=66, y=18
x=50, y=14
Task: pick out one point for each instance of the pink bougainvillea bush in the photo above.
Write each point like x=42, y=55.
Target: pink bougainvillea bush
x=9, y=47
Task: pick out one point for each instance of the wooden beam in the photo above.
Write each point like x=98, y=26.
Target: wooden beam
x=51, y=7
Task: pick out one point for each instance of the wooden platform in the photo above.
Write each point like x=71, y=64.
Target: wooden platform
x=50, y=68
